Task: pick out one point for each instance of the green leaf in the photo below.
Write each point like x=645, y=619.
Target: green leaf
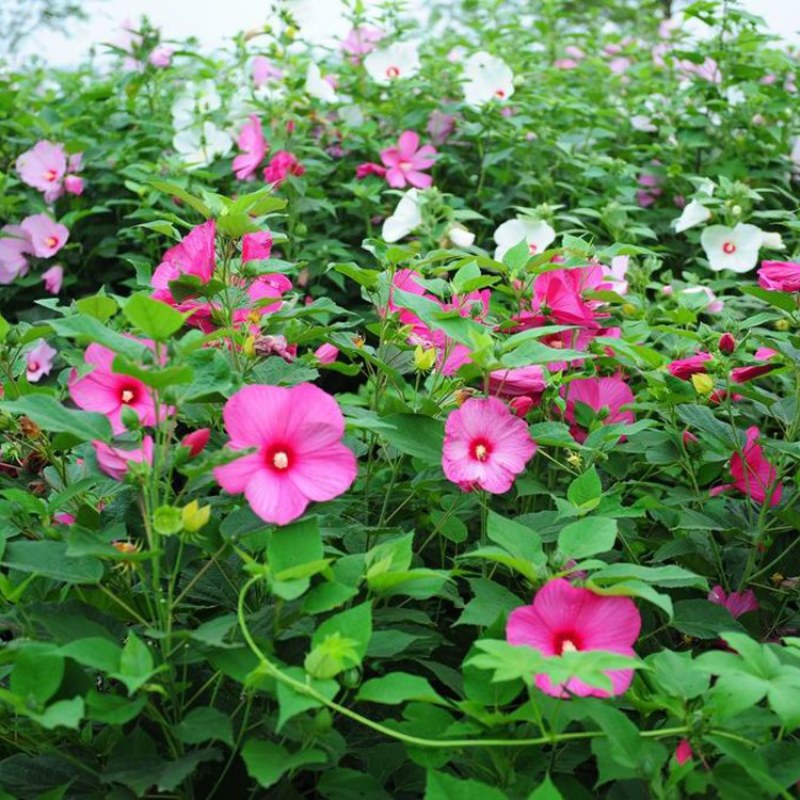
x=415, y=435
x=491, y=600
x=153, y=318
x=135, y=665
x=174, y=190
x=5, y=328
x=267, y=762
x=81, y=327
x=441, y=786
x=585, y=491
x=354, y=624
x=546, y=791
x=95, y=652
x=673, y=577
x=51, y=416
x=517, y=539
x=587, y=537
x=36, y=675
x=292, y=547
x=396, y=688
x=62, y=714
x=113, y=709
x=99, y=306
x=205, y=724
x=703, y=619
x=50, y=560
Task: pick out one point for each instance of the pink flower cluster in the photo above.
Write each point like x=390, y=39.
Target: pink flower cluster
x=37, y=235
x=254, y=149
x=195, y=257
x=47, y=167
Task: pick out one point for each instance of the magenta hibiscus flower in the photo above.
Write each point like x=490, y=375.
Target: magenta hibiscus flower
x=566, y=618
x=300, y=457
x=485, y=446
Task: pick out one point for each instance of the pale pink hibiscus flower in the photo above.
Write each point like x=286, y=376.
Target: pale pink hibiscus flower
x=254, y=147
x=116, y=461
x=362, y=40
x=46, y=236
x=606, y=397
x=53, y=278
x=485, y=446
x=405, y=162
x=15, y=244
x=752, y=474
x=108, y=392
x=565, y=618
x=264, y=70
x=43, y=167
x=39, y=361
x=300, y=457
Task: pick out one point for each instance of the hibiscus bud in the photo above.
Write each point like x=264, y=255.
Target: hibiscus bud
x=782, y=325
x=683, y=752
x=424, y=358
x=689, y=439
x=628, y=309
x=29, y=428
x=194, y=516
x=196, y=441
x=167, y=520
x=130, y=419
x=326, y=353
x=736, y=211
x=703, y=383
x=727, y=344
x=520, y=406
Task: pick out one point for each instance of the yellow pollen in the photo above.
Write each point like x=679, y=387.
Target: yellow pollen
x=127, y=395
x=728, y=248
x=50, y=175
x=481, y=452
x=280, y=460
x=51, y=241
x=568, y=647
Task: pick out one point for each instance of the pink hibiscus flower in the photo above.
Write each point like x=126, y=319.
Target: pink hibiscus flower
x=256, y=246
x=115, y=461
x=281, y=165
x=737, y=603
x=752, y=474
x=558, y=295
x=779, y=276
x=46, y=237
x=194, y=255
x=254, y=146
x=108, y=392
x=15, y=244
x=605, y=396
x=364, y=170
x=517, y=382
x=300, y=457
x=565, y=618
x=485, y=446
x=404, y=163
x=39, y=361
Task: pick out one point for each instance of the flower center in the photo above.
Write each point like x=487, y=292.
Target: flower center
x=728, y=248
x=500, y=93
x=127, y=395
x=280, y=460
x=405, y=166
x=51, y=241
x=567, y=642
x=33, y=366
x=480, y=450
x=50, y=175
x=532, y=248
x=393, y=72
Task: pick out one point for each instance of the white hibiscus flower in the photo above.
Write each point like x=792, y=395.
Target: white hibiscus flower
x=537, y=233
x=735, y=249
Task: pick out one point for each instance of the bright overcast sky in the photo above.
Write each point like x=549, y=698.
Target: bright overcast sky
x=212, y=21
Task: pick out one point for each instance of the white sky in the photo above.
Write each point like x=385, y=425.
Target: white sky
x=212, y=22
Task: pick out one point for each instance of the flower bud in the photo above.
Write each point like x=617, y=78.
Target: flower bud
x=689, y=439
x=196, y=441
x=736, y=211
x=326, y=353
x=424, y=358
x=520, y=406
x=194, y=516
x=703, y=383
x=782, y=325
x=727, y=344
